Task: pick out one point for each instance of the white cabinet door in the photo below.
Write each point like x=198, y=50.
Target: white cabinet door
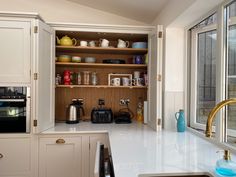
x=15, y=50
x=44, y=82
x=155, y=78
x=60, y=157
x=93, y=139
x=15, y=157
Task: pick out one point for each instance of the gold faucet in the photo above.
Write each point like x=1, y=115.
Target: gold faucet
x=213, y=112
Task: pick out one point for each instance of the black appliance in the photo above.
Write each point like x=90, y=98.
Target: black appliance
x=122, y=118
x=101, y=114
x=14, y=110
x=114, y=61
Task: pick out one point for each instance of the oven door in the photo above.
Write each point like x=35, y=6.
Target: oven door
x=14, y=116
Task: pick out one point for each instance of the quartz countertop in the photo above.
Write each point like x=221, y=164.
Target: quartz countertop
x=137, y=149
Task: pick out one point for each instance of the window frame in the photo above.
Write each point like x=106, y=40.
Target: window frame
x=221, y=66
x=194, y=62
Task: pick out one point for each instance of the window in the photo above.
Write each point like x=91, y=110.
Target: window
x=211, y=55
x=204, y=38
x=230, y=76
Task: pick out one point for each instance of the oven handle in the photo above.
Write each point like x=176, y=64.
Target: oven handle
x=12, y=100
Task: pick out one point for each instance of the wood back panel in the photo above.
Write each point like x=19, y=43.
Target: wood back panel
x=112, y=98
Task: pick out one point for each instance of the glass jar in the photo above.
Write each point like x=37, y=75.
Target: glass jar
x=79, y=78
x=94, y=79
x=86, y=77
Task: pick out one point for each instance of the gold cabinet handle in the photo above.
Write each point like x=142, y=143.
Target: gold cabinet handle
x=60, y=141
x=1, y=156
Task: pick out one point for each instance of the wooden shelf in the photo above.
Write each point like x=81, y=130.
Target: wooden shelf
x=100, y=86
x=102, y=65
x=101, y=50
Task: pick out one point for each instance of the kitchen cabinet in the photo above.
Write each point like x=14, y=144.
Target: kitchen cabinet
x=60, y=156
x=15, y=52
x=43, y=82
x=15, y=157
x=27, y=59
x=69, y=155
x=112, y=94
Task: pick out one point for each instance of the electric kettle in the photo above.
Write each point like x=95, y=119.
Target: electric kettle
x=73, y=111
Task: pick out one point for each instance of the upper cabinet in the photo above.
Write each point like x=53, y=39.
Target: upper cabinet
x=28, y=59
x=109, y=52
x=15, y=51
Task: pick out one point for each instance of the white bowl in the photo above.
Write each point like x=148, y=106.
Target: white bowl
x=89, y=60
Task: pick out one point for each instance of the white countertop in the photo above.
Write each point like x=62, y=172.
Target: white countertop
x=137, y=149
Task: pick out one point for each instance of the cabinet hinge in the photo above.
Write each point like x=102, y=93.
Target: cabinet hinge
x=35, y=123
x=159, y=121
x=35, y=76
x=159, y=77
x=36, y=29
x=160, y=34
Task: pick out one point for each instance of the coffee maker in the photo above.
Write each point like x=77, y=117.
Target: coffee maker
x=73, y=111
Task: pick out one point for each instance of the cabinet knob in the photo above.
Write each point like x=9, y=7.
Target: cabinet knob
x=60, y=141
x=1, y=156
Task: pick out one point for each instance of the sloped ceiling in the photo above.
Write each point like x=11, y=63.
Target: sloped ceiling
x=140, y=10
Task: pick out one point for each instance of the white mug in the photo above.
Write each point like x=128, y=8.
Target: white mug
x=136, y=74
x=122, y=44
x=92, y=43
x=137, y=81
x=83, y=43
x=104, y=42
x=115, y=81
x=125, y=81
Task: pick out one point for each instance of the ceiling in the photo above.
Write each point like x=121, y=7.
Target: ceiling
x=140, y=10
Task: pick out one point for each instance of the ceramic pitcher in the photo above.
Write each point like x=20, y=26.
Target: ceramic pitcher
x=179, y=116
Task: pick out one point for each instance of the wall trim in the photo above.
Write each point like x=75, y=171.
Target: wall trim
x=101, y=27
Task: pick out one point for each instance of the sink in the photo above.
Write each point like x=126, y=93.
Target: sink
x=184, y=174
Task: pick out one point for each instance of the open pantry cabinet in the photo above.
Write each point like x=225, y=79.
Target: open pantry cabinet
x=103, y=89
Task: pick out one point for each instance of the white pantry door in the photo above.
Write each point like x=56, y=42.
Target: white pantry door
x=155, y=40
x=15, y=50
x=44, y=73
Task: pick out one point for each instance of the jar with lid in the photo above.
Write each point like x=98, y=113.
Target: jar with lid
x=94, y=79
x=79, y=78
x=58, y=79
x=86, y=77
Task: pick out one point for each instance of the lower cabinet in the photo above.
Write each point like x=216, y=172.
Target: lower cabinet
x=15, y=157
x=69, y=155
x=60, y=156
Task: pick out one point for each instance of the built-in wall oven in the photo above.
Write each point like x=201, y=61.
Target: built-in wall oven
x=14, y=109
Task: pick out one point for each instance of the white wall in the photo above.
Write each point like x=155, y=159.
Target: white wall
x=65, y=11
x=174, y=74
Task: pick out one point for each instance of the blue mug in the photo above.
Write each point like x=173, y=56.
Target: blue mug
x=138, y=59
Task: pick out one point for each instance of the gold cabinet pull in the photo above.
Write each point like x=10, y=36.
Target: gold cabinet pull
x=60, y=141
x=1, y=156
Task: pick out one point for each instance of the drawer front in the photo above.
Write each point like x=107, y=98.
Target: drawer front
x=15, y=156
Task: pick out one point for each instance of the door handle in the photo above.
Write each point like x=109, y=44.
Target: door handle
x=60, y=141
